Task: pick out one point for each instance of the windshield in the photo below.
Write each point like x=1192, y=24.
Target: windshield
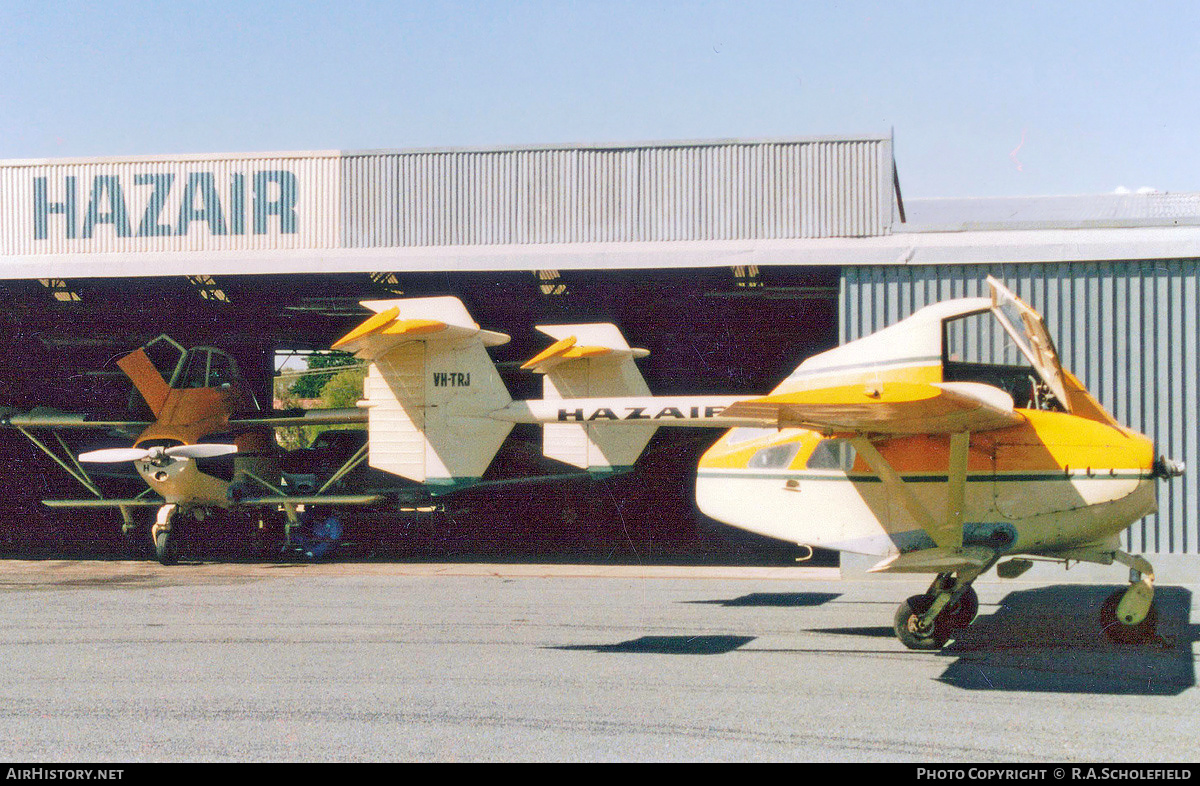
x=1028, y=331
x=980, y=347
x=166, y=355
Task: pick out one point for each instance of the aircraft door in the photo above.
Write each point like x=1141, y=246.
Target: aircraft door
x=1034, y=341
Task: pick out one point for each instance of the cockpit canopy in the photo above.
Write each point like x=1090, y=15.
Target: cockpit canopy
x=197, y=367
x=997, y=340
x=978, y=347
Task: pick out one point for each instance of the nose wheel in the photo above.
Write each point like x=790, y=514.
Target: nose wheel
x=1129, y=616
x=1120, y=629
x=166, y=547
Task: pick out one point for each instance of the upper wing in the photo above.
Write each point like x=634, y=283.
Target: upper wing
x=885, y=408
x=44, y=417
x=308, y=417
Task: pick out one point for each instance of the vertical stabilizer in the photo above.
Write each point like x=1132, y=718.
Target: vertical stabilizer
x=146, y=379
x=429, y=390
x=591, y=361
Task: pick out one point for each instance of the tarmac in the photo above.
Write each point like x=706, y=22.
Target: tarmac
x=129, y=661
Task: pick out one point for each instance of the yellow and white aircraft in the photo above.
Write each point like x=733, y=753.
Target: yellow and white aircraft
x=943, y=444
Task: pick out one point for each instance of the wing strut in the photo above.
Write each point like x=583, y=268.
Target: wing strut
x=947, y=531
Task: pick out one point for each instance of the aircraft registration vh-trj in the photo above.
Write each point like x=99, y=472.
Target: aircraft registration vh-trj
x=948, y=443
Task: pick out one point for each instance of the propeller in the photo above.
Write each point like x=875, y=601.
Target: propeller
x=157, y=453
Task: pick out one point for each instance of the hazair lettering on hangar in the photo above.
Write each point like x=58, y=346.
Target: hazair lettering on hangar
x=271, y=194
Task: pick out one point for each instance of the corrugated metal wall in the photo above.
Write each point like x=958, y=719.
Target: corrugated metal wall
x=1128, y=330
x=702, y=191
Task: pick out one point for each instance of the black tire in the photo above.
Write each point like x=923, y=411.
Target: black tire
x=1120, y=632
x=961, y=614
x=165, y=549
x=908, y=628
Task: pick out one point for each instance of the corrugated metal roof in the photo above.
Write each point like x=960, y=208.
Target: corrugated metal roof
x=622, y=194
x=1053, y=212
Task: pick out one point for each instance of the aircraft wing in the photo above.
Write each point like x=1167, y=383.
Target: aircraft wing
x=44, y=417
x=134, y=502
x=267, y=501
x=310, y=417
x=884, y=408
x=311, y=499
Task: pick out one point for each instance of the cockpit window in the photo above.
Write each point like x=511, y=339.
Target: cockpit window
x=222, y=372
x=166, y=355
x=832, y=454
x=981, y=339
x=979, y=347
x=195, y=373
x=208, y=368
x=774, y=457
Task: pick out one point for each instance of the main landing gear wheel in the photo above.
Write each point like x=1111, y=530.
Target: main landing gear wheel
x=912, y=632
x=165, y=549
x=1121, y=631
x=917, y=635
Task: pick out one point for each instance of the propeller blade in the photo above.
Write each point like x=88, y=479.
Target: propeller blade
x=204, y=450
x=114, y=455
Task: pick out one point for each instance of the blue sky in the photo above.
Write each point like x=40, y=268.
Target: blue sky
x=985, y=99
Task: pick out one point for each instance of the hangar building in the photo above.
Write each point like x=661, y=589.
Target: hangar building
x=731, y=260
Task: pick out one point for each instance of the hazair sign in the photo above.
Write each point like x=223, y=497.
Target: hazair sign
x=225, y=209
x=160, y=205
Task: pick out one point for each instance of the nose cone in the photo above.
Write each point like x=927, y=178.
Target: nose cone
x=1166, y=468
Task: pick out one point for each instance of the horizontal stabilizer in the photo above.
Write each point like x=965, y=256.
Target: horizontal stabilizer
x=937, y=560
x=602, y=341
x=397, y=322
x=885, y=408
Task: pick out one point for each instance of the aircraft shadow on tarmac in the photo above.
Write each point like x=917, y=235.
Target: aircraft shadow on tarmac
x=669, y=645
x=1049, y=640
x=775, y=599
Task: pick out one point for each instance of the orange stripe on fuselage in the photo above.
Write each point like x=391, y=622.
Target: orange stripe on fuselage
x=1046, y=441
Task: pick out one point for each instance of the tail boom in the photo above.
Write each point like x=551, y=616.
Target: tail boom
x=637, y=411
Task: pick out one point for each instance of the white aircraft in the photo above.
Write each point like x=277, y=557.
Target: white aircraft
x=943, y=444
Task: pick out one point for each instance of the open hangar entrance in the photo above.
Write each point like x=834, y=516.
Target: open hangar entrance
x=713, y=330
x=729, y=260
